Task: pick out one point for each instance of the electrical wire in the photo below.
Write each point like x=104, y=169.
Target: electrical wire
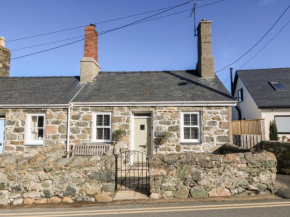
x=77, y=27
x=256, y=42
x=104, y=32
x=266, y=44
x=161, y=17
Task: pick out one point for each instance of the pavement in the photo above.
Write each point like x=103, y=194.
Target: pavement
x=283, y=186
x=257, y=208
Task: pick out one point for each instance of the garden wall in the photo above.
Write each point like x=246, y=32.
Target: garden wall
x=44, y=177
x=207, y=175
x=282, y=153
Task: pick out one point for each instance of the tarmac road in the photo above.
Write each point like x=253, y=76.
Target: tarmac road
x=264, y=208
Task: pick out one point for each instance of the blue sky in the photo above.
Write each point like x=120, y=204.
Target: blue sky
x=165, y=44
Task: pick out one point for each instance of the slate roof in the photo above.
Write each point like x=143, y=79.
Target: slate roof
x=38, y=90
x=257, y=83
x=153, y=87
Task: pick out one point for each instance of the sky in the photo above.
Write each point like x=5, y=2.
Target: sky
x=164, y=44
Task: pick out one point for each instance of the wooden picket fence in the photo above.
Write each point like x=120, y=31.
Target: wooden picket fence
x=89, y=149
x=248, y=133
x=247, y=141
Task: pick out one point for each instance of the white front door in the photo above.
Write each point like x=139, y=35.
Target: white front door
x=142, y=134
x=2, y=134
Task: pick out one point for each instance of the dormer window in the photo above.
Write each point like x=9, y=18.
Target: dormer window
x=278, y=85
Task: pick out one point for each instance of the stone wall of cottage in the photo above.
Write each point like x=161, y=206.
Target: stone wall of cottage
x=41, y=177
x=55, y=129
x=183, y=175
x=282, y=153
x=214, y=122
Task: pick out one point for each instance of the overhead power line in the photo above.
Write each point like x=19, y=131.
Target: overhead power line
x=256, y=42
x=149, y=20
x=77, y=27
x=104, y=32
x=266, y=44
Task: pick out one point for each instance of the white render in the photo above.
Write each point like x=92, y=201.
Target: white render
x=250, y=110
x=248, y=107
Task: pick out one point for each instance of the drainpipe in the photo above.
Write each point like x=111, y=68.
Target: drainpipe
x=68, y=128
x=232, y=92
x=232, y=85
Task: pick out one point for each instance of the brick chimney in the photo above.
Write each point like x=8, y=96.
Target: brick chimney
x=205, y=64
x=4, y=59
x=89, y=63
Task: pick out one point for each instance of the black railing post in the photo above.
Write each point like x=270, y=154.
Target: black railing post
x=116, y=172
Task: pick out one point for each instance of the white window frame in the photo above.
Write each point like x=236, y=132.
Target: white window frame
x=182, y=140
x=28, y=140
x=94, y=127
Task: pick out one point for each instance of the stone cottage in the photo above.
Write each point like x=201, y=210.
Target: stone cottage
x=63, y=111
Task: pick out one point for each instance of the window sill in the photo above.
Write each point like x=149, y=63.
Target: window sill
x=31, y=144
x=190, y=142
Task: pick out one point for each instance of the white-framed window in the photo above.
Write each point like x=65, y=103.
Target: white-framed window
x=35, y=126
x=102, y=130
x=240, y=95
x=283, y=124
x=190, y=127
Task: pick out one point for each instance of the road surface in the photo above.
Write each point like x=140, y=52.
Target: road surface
x=265, y=208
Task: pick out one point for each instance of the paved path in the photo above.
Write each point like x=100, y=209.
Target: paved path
x=284, y=179
x=265, y=208
x=283, y=185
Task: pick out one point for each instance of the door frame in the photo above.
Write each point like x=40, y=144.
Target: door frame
x=3, y=118
x=132, y=136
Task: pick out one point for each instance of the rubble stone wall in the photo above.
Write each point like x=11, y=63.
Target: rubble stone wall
x=282, y=153
x=208, y=175
x=43, y=177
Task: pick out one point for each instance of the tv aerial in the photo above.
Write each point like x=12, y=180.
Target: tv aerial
x=195, y=2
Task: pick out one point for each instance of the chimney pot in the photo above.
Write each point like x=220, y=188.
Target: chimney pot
x=205, y=64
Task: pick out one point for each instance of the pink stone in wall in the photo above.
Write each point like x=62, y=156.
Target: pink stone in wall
x=220, y=192
x=51, y=130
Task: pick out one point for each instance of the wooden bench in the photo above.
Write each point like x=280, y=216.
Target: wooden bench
x=88, y=149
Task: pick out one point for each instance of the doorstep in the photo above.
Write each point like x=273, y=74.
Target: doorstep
x=131, y=195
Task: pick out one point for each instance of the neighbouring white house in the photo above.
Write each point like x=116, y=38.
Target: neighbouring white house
x=264, y=94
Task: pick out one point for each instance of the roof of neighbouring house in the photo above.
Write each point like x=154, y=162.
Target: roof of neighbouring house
x=257, y=82
x=153, y=86
x=38, y=90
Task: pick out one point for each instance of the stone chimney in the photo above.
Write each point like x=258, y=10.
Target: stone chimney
x=89, y=63
x=205, y=64
x=4, y=59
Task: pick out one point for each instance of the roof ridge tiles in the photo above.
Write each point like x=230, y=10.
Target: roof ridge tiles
x=262, y=69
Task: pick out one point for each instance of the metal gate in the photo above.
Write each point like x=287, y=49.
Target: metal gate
x=132, y=171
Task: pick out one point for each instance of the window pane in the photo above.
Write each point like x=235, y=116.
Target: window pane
x=99, y=120
x=186, y=119
x=278, y=86
x=33, y=121
x=106, y=133
x=194, y=133
x=100, y=133
x=40, y=121
x=186, y=133
x=40, y=134
x=283, y=124
x=194, y=119
x=106, y=120
x=34, y=133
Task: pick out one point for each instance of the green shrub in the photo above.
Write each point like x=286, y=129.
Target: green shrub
x=273, y=131
x=117, y=135
x=162, y=137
